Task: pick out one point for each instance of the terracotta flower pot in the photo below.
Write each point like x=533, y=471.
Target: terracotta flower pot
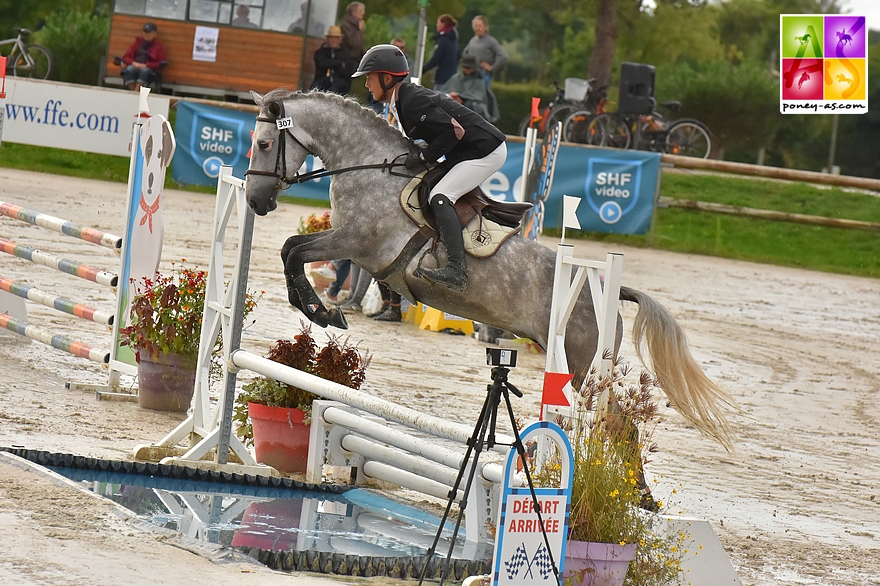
x=281, y=439
x=597, y=564
x=166, y=382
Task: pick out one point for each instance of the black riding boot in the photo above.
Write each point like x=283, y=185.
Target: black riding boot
x=453, y=275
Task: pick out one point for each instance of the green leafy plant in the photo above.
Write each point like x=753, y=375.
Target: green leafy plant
x=338, y=361
x=167, y=310
x=608, y=485
x=78, y=41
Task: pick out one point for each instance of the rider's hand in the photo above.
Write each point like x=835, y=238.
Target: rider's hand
x=414, y=162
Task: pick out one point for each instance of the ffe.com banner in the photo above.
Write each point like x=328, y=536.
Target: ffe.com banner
x=75, y=117
x=618, y=187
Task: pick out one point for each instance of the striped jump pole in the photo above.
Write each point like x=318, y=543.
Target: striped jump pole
x=19, y=324
x=71, y=267
x=60, y=303
x=56, y=341
x=92, y=235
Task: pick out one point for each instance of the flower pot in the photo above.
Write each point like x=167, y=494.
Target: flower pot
x=281, y=439
x=596, y=564
x=166, y=381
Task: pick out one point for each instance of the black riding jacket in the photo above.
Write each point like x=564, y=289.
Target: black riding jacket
x=448, y=127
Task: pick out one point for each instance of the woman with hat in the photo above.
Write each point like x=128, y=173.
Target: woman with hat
x=333, y=64
x=474, y=148
x=143, y=58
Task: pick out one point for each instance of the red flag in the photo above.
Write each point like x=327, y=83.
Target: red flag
x=536, y=115
x=554, y=383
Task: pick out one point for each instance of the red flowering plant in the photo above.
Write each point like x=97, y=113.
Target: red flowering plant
x=166, y=313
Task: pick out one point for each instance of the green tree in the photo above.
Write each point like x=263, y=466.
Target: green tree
x=78, y=42
x=739, y=103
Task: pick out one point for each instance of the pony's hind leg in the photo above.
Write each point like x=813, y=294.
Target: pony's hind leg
x=300, y=292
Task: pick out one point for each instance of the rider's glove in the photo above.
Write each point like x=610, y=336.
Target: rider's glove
x=414, y=162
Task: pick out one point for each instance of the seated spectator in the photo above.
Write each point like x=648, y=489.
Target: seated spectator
x=468, y=87
x=333, y=65
x=142, y=60
x=242, y=14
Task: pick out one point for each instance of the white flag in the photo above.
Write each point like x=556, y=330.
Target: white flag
x=569, y=212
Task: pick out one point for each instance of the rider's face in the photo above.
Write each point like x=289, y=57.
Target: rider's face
x=374, y=86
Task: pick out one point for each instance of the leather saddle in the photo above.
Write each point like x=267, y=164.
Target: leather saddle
x=505, y=213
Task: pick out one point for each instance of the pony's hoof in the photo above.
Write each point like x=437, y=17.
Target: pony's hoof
x=333, y=317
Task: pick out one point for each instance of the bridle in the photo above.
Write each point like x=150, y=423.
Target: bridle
x=284, y=124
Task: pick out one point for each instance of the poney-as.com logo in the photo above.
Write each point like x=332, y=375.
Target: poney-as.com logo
x=823, y=64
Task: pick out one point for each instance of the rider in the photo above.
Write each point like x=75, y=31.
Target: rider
x=474, y=148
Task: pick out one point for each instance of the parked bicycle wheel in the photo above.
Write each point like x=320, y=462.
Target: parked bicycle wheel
x=610, y=131
x=689, y=138
x=576, y=127
x=37, y=66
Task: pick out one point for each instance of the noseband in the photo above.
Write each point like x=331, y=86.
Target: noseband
x=284, y=124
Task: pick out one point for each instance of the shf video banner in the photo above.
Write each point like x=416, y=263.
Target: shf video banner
x=617, y=187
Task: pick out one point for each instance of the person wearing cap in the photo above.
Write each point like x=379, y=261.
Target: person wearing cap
x=474, y=149
x=468, y=87
x=143, y=58
x=333, y=64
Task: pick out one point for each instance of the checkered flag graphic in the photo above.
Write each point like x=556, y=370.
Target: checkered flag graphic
x=542, y=562
x=516, y=562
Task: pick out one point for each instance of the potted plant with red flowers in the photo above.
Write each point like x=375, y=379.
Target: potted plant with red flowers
x=164, y=332
x=275, y=417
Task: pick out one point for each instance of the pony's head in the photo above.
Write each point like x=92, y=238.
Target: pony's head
x=270, y=163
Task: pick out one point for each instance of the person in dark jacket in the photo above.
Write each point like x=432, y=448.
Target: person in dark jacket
x=352, y=26
x=445, y=56
x=143, y=58
x=474, y=148
x=333, y=64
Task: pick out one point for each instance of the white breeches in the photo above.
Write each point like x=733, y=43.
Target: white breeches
x=468, y=174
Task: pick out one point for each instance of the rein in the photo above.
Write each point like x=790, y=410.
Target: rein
x=284, y=124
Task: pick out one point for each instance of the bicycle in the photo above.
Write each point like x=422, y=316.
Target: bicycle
x=561, y=107
x=26, y=59
x=652, y=132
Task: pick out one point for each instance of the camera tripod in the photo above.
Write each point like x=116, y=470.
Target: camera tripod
x=484, y=437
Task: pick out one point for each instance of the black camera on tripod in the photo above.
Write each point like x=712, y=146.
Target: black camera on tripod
x=500, y=357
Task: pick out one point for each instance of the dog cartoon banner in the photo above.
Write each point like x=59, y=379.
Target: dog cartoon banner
x=153, y=149
x=619, y=186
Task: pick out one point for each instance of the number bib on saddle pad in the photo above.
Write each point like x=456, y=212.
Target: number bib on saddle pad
x=482, y=237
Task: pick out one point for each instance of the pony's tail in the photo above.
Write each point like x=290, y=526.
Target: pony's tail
x=693, y=394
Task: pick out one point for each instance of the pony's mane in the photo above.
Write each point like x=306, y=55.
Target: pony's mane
x=367, y=116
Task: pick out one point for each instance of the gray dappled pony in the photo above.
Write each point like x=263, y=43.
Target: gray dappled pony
x=511, y=290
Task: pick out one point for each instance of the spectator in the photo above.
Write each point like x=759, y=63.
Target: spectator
x=143, y=58
x=353, y=30
x=242, y=19
x=445, y=56
x=401, y=44
x=468, y=87
x=333, y=65
x=390, y=310
x=488, y=51
x=316, y=28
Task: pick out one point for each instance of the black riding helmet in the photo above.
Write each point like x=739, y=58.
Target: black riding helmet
x=383, y=59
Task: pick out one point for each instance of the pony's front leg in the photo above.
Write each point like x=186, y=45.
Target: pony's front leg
x=300, y=292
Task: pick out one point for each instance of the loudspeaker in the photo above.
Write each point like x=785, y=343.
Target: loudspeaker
x=636, y=88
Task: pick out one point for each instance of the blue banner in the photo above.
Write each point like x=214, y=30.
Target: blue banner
x=617, y=187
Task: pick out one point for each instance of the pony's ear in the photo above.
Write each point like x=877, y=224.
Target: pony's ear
x=258, y=99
